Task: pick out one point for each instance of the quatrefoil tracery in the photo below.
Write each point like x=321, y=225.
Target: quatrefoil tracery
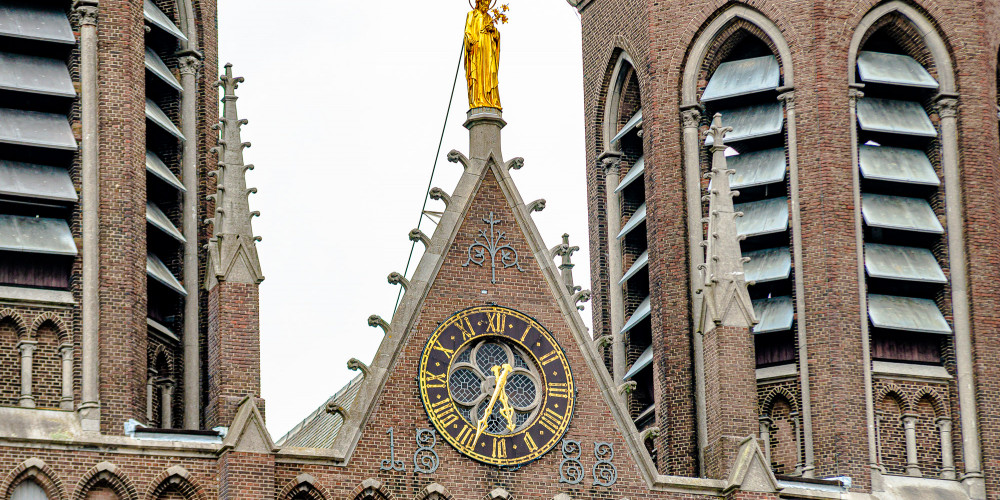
x=471, y=384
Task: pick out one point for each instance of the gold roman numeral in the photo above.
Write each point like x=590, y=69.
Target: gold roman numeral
x=530, y=442
x=499, y=448
x=525, y=334
x=446, y=351
x=550, y=420
x=497, y=322
x=559, y=389
x=432, y=381
x=465, y=326
x=548, y=358
x=466, y=436
x=445, y=412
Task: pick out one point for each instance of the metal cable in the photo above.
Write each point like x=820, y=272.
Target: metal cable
x=437, y=155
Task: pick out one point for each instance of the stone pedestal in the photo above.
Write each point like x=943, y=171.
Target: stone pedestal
x=484, y=126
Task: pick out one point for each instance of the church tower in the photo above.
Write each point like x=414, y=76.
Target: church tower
x=111, y=161
x=863, y=152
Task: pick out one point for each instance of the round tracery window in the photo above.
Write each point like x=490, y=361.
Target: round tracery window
x=472, y=381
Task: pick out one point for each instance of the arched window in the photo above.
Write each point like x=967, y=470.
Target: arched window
x=29, y=490
x=164, y=190
x=743, y=77
x=901, y=193
x=625, y=187
x=37, y=145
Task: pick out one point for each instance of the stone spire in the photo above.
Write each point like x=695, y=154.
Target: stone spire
x=726, y=300
x=232, y=248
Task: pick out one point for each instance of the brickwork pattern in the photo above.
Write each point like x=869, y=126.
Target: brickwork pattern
x=233, y=349
x=658, y=36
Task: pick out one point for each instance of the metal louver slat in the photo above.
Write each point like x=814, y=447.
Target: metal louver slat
x=762, y=217
x=157, y=18
x=769, y=264
x=36, y=235
x=644, y=360
x=902, y=263
x=757, y=168
x=36, y=181
x=910, y=166
x=156, y=269
x=157, y=218
x=36, y=22
x=774, y=314
x=629, y=126
x=751, y=122
x=906, y=313
x=746, y=76
x=155, y=166
x=156, y=66
x=33, y=128
x=894, y=117
x=893, y=69
x=633, y=174
x=637, y=218
x=898, y=212
x=36, y=75
x=642, y=312
x=639, y=265
x=157, y=116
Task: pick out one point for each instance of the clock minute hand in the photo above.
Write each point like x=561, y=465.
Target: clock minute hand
x=500, y=374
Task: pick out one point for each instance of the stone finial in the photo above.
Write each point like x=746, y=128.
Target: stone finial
x=395, y=278
x=456, y=156
x=417, y=235
x=355, y=364
x=376, y=321
x=437, y=193
x=515, y=163
x=726, y=300
x=232, y=248
x=566, y=251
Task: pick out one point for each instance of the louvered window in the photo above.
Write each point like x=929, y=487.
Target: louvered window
x=899, y=189
x=744, y=89
x=633, y=284
x=164, y=190
x=37, y=145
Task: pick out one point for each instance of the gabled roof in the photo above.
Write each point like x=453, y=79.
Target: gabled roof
x=320, y=428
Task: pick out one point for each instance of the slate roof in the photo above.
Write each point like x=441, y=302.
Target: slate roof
x=319, y=429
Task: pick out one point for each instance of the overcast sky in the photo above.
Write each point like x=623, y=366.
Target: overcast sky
x=346, y=100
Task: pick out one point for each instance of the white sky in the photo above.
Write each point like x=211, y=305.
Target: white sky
x=346, y=100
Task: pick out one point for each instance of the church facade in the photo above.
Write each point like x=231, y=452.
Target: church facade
x=824, y=332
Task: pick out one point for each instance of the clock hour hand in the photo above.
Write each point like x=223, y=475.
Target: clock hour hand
x=500, y=374
x=507, y=411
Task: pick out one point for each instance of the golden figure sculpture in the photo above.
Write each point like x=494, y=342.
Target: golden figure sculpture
x=482, y=56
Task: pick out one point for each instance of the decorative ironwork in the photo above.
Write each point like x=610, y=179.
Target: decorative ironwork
x=570, y=469
x=391, y=463
x=490, y=244
x=605, y=473
x=425, y=459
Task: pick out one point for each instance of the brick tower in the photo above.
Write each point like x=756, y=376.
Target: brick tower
x=864, y=147
x=110, y=309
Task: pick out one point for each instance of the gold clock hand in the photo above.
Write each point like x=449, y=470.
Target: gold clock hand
x=500, y=374
x=507, y=411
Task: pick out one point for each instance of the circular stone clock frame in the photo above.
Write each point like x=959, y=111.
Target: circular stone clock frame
x=458, y=345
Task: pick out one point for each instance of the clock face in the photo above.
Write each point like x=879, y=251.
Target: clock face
x=496, y=385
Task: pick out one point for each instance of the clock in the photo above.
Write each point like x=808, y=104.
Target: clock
x=496, y=385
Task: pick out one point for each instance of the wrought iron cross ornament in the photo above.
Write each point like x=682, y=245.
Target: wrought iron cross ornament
x=490, y=244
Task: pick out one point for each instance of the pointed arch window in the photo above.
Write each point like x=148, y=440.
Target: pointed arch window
x=164, y=190
x=29, y=490
x=901, y=196
x=625, y=187
x=743, y=86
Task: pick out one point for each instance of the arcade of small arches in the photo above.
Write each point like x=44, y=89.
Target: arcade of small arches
x=914, y=432
x=37, y=361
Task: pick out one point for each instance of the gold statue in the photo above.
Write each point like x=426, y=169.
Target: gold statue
x=482, y=54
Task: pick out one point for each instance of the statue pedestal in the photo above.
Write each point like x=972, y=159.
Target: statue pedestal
x=484, y=126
